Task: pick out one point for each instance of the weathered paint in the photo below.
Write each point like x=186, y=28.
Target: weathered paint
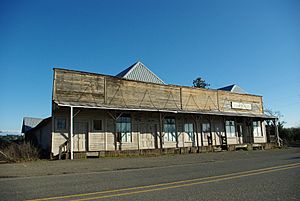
x=144, y=127
x=80, y=88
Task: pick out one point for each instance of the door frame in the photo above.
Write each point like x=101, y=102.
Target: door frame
x=86, y=133
x=240, y=132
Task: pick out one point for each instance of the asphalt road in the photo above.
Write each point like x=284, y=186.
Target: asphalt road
x=244, y=175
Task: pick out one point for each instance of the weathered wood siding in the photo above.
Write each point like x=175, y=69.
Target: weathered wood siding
x=41, y=136
x=79, y=88
x=263, y=138
x=145, y=126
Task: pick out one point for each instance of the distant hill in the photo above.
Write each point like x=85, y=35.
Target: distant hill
x=13, y=132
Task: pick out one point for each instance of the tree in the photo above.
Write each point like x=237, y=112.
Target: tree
x=280, y=123
x=200, y=83
x=289, y=135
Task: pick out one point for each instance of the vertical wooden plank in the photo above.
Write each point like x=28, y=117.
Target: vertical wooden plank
x=52, y=129
x=210, y=131
x=105, y=141
x=196, y=135
x=155, y=137
x=196, y=128
x=183, y=134
x=54, y=86
x=105, y=90
x=176, y=128
x=277, y=132
x=138, y=134
x=218, y=102
x=71, y=132
x=160, y=131
x=224, y=122
x=251, y=131
x=181, y=98
x=236, y=134
x=201, y=134
x=261, y=127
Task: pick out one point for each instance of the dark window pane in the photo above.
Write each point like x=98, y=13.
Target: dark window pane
x=97, y=125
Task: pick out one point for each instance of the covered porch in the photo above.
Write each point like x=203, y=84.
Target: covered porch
x=212, y=131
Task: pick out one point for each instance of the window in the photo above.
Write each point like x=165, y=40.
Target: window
x=206, y=129
x=256, y=129
x=188, y=129
x=230, y=129
x=170, y=129
x=124, y=129
x=61, y=123
x=97, y=125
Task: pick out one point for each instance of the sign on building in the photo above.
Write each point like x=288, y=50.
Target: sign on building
x=240, y=105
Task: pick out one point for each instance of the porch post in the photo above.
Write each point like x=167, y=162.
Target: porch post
x=71, y=132
x=160, y=131
x=261, y=127
x=224, y=140
x=196, y=135
x=197, y=132
x=277, y=132
x=210, y=131
x=252, y=130
x=176, y=134
x=201, y=134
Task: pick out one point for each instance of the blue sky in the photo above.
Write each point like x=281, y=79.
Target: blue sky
x=255, y=44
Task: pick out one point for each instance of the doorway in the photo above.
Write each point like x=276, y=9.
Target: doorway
x=80, y=136
x=240, y=132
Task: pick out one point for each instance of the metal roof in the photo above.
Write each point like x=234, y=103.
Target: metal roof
x=140, y=72
x=29, y=123
x=205, y=112
x=233, y=88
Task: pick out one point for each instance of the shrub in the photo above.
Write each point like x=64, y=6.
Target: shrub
x=24, y=151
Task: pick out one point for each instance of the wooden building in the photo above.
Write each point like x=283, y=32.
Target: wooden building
x=136, y=111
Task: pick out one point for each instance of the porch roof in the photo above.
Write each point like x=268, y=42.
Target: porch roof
x=205, y=112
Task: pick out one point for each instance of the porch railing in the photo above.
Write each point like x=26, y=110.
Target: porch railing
x=63, y=149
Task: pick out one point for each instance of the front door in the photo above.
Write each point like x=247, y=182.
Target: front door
x=80, y=136
x=240, y=133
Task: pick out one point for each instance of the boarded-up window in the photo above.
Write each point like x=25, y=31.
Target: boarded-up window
x=230, y=129
x=61, y=123
x=97, y=125
x=124, y=129
x=257, y=129
x=189, y=130
x=169, y=129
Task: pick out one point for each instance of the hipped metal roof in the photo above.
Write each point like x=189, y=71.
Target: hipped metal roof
x=234, y=88
x=140, y=72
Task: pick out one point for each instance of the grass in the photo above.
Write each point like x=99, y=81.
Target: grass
x=19, y=152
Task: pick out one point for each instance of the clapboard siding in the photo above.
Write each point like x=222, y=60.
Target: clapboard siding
x=145, y=126
x=73, y=88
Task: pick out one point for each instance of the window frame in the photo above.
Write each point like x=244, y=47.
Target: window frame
x=57, y=127
x=257, y=132
x=190, y=133
x=170, y=133
x=93, y=125
x=124, y=129
x=206, y=131
x=231, y=125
